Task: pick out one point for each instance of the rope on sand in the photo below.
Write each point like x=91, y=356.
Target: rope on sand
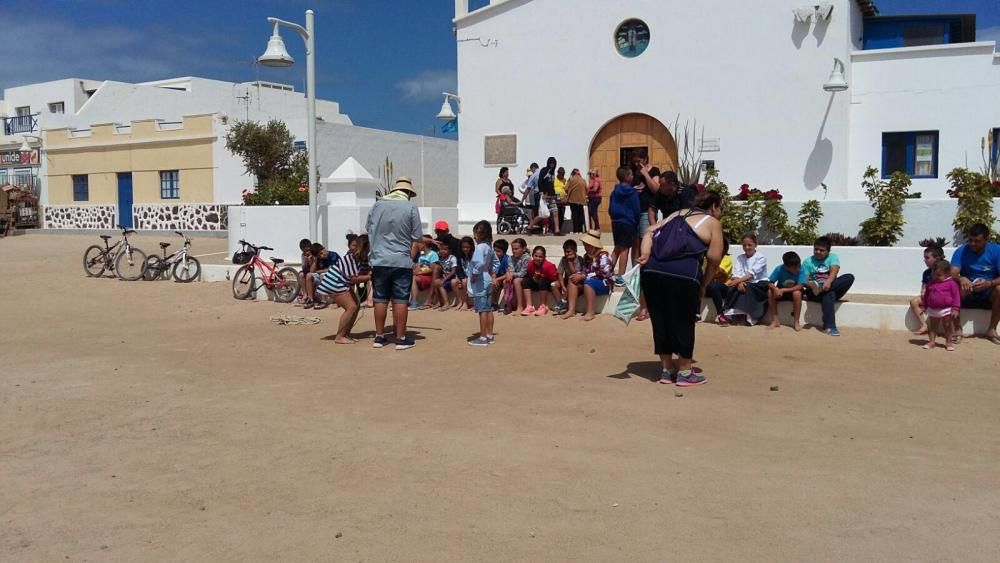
x=295, y=320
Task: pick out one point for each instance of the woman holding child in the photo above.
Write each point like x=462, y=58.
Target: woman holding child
x=674, y=282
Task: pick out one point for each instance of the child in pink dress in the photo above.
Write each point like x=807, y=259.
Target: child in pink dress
x=942, y=300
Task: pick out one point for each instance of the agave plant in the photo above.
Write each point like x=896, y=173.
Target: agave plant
x=386, y=179
x=689, y=152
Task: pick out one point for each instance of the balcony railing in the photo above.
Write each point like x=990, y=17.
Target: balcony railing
x=20, y=124
x=24, y=181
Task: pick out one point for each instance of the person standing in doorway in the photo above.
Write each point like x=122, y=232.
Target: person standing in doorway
x=576, y=195
x=394, y=229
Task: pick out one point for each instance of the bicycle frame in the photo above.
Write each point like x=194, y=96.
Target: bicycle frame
x=268, y=270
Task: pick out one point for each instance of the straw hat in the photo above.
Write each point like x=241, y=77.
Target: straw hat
x=406, y=184
x=592, y=238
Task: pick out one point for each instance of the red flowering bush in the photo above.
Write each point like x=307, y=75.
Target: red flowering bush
x=750, y=194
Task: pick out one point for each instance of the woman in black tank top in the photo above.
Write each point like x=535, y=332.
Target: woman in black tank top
x=673, y=283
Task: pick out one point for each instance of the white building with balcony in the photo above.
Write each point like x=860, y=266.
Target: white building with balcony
x=594, y=83
x=25, y=111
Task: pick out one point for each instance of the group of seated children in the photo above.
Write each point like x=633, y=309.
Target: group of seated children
x=817, y=279
x=515, y=278
x=742, y=287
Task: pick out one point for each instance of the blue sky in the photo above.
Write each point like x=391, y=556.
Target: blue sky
x=385, y=61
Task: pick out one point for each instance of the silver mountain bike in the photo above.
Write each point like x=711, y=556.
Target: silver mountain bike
x=185, y=268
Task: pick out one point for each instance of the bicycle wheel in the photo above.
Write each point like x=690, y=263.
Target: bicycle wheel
x=129, y=264
x=93, y=261
x=187, y=269
x=153, y=269
x=243, y=282
x=286, y=286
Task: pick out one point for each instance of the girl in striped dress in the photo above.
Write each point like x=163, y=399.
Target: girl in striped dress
x=338, y=284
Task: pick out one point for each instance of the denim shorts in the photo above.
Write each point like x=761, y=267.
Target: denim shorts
x=391, y=284
x=643, y=223
x=483, y=303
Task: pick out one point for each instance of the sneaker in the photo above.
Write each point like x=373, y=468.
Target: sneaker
x=405, y=343
x=414, y=305
x=668, y=377
x=379, y=341
x=492, y=339
x=723, y=320
x=309, y=305
x=528, y=311
x=541, y=311
x=832, y=332
x=481, y=341
x=690, y=379
x=619, y=281
x=813, y=287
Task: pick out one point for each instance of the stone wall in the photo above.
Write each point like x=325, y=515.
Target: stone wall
x=182, y=217
x=146, y=217
x=80, y=216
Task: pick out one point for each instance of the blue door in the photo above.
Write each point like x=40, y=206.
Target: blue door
x=125, y=199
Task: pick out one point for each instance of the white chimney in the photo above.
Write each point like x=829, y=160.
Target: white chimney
x=461, y=8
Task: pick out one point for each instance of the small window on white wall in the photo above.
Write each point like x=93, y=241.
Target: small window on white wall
x=501, y=150
x=57, y=107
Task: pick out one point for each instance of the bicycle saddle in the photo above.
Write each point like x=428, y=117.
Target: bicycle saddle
x=164, y=245
x=277, y=261
x=106, y=237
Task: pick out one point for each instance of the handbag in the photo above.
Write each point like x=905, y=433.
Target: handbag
x=628, y=305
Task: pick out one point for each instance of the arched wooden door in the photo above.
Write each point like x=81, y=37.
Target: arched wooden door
x=623, y=138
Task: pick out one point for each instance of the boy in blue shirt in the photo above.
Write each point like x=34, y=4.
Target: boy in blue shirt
x=976, y=267
x=500, y=267
x=824, y=282
x=787, y=281
x=624, y=210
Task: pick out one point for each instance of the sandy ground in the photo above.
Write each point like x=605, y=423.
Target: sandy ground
x=159, y=421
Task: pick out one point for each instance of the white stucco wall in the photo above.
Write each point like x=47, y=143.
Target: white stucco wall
x=924, y=218
x=746, y=70
x=952, y=89
x=431, y=162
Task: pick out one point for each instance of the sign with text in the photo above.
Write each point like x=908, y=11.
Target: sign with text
x=19, y=158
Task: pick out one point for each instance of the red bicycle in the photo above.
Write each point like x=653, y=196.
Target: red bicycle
x=284, y=283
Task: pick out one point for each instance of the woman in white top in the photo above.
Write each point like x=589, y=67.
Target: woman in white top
x=749, y=282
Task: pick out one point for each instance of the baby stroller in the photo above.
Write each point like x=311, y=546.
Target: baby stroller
x=512, y=220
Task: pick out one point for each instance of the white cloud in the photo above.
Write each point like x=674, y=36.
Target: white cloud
x=51, y=49
x=427, y=85
x=988, y=33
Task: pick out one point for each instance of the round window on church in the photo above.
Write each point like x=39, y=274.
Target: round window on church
x=632, y=38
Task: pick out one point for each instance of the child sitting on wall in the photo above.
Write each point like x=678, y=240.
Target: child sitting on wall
x=931, y=255
x=500, y=267
x=517, y=270
x=787, y=281
x=422, y=271
x=598, y=278
x=541, y=277
x=448, y=266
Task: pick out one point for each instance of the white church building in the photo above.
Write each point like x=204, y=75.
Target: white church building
x=592, y=81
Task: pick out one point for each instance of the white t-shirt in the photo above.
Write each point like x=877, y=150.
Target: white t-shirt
x=755, y=266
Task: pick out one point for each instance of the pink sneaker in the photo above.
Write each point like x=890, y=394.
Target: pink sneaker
x=528, y=311
x=542, y=311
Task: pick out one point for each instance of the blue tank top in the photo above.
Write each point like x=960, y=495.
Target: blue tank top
x=677, y=250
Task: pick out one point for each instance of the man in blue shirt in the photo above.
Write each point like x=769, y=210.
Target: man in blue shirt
x=394, y=229
x=976, y=266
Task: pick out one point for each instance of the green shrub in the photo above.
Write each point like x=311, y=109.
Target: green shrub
x=885, y=228
x=975, y=193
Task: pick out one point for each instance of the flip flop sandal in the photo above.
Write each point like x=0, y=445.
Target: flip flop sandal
x=993, y=339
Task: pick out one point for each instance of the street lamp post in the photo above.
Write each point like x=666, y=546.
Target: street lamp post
x=277, y=56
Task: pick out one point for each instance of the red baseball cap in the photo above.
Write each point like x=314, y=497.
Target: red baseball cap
x=441, y=226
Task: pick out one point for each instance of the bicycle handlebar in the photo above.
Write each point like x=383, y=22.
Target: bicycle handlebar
x=256, y=249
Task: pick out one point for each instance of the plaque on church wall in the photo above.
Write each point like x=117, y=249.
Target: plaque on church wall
x=501, y=150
